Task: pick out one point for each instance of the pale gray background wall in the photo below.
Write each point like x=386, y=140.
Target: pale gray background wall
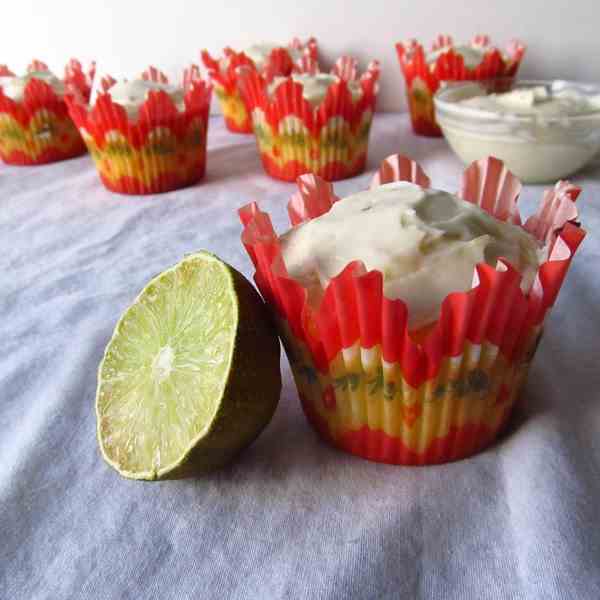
x=125, y=35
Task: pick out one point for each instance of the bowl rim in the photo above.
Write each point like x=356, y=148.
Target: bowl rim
x=450, y=108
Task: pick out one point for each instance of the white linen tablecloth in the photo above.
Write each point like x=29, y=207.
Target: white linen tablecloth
x=293, y=517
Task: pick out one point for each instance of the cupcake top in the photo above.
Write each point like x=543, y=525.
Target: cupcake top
x=259, y=53
x=425, y=242
x=314, y=87
x=131, y=94
x=14, y=87
x=537, y=100
x=472, y=54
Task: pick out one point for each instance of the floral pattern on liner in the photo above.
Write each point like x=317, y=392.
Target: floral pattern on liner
x=163, y=149
x=38, y=129
x=223, y=73
x=329, y=140
x=372, y=387
x=423, y=79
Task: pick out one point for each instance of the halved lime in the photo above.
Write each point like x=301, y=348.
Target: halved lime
x=191, y=375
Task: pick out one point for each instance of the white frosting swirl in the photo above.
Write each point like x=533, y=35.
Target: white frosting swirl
x=14, y=87
x=472, y=55
x=314, y=87
x=131, y=94
x=425, y=242
x=259, y=54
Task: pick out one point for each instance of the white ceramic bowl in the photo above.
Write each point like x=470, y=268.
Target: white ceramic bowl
x=535, y=149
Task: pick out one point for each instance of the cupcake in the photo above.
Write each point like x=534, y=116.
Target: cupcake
x=263, y=58
x=409, y=315
x=311, y=122
x=145, y=135
x=424, y=71
x=35, y=127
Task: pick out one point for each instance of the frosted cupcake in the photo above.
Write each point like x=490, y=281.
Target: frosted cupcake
x=35, y=127
x=446, y=61
x=263, y=58
x=311, y=122
x=409, y=315
x=145, y=135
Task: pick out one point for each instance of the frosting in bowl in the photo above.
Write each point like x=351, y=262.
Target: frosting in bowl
x=425, y=242
x=535, y=101
x=131, y=94
x=314, y=87
x=14, y=87
x=543, y=131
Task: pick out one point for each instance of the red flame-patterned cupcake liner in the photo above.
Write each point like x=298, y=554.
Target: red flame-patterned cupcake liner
x=372, y=387
x=224, y=73
x=294, y=137
x=423, y=79
x=163, y=149
x=37, y=129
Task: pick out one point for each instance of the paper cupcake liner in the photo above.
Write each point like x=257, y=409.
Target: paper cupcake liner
x=363, y=405
x=38, y=129
x=162, y=150
x=371, y=387
x=225, y=78
x=234, y=110
x=423, y=79
x=294, y=138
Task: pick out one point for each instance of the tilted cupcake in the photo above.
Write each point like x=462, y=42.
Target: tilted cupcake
x=311, y=122
x=410, y=315
x=425, y=71
x=35, y=127
x=145, y=135
x=263, y=58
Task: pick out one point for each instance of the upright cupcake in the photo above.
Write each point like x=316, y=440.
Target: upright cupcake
x=35, y=127
x=311, y=122
x=263, y=58
x=145, y=135
x=409, y=315
x=446, y=61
